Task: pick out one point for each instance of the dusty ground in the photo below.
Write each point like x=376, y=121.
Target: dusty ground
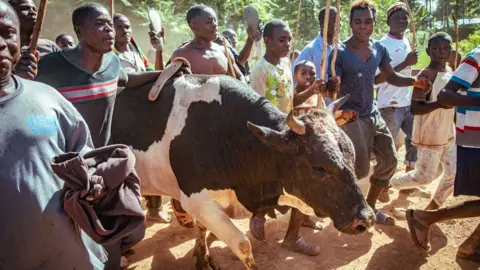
x=382, y=247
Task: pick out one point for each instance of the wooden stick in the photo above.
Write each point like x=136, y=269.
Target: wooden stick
x=38, y=26
x=321, y=102
x=412, y=22
x=111, y=7
x=455, y=23
x=296, y=30
x=336, y=33
x=230, y=64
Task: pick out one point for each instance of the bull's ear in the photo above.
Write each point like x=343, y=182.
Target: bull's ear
x=335, y=105
x=271, y=138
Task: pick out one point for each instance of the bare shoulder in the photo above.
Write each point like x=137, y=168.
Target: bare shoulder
x=427, y=73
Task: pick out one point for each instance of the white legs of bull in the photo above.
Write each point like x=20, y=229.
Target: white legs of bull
x=211, y=215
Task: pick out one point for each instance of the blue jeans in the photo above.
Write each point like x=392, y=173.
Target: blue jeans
x=398, y=118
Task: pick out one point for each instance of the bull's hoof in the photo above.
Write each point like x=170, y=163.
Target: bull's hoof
x=206, y=263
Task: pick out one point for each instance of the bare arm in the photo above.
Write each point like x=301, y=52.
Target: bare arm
x=410, y=60
x=420, y=107
x=247, y=49
x=450, y=97
x=140, y=78
x=317, y=87
x=394, y=78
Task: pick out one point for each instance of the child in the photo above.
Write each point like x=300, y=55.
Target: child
x=433, y=128
x=306, y=96
x=271, y=77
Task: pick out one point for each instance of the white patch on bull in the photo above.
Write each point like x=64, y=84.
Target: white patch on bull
x=292, y=201
x=153, y=166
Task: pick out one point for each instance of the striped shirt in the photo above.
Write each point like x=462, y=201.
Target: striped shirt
x=92, y=94
x=468, y=118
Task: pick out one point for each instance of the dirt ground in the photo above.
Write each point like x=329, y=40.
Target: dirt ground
x=382, y=247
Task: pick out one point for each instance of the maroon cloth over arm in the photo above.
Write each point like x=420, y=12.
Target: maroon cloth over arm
x=101, y=192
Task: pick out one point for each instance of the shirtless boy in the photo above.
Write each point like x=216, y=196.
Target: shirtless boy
x=203, y=23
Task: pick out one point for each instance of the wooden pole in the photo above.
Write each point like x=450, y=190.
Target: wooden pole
x=296, y=30
x=335, y=45
x=455, y=23
x=412, y=22
x=321, y=102
x=38, y=26
x=111, y=7
x=230, y=70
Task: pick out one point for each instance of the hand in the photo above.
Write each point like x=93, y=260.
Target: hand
x=333, y=84
x=421, y=87
x=412, y=58
x=27, y=65
x=156, y=38
x=317, y=87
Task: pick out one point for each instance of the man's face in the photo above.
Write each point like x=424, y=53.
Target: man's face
x=123, y=30
x=331, y=24
x=279, y=43
x=305, y=75
x=398, y=21
x=66, y=42
x=97, y=31
x=232, y=37
x=9, y=40
x=362, y=24
x=27, y=13
x=204, y=26
x=440, y=50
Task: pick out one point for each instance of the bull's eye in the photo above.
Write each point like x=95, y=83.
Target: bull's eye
x=319, y=170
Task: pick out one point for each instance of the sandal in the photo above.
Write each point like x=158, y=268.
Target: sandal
x=384, y=219
x=413, y=226
x=302, y=246
x=257, y=228
x=183, y=218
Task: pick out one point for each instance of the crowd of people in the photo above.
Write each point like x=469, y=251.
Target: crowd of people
x=61, y=98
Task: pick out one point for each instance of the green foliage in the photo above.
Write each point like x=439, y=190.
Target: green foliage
x=473, y=41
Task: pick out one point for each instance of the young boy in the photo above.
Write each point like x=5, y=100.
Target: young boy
x=466, y=80
x=433, y=128
x=271, y=77
x=357, y=62
x=306, y=96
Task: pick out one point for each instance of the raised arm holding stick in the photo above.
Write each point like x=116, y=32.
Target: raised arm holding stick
x=38, y=26
x=333, y=95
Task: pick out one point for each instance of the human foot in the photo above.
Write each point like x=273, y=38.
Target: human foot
x=155, y=215
x=419, y=231
x=301, y=246
x=257, y=228
x=310, y=223
x=382, y=218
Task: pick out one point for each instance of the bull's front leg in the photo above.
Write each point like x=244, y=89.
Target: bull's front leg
x=204, y=261
x=210, y=215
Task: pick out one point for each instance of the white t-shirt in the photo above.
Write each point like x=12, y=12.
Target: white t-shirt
x=389, y=95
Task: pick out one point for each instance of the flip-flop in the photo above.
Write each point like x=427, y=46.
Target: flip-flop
x=384, y=219
x=302, y=246
x=257, y=228
x=250, y=14
x=474, y=257
x=183, y=218
x=413, y=225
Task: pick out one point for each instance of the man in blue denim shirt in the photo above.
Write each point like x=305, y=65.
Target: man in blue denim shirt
x=357, y=61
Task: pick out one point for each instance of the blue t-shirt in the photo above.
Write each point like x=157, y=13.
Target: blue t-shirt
x=358, y=77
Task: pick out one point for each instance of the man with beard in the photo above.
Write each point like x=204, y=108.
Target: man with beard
x=37, y=125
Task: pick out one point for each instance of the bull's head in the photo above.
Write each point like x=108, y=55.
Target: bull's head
x=321, y=176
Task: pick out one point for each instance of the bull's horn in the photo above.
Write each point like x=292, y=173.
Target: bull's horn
x=295, y=125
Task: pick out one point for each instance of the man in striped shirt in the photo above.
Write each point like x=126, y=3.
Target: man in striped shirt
x=462, y=91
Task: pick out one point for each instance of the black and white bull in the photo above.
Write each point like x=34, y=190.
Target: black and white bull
x=224, y=151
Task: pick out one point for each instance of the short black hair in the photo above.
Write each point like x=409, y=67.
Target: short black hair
x=271, y=26
x=117, y=16
x=84, y=11
x=60, y=36
x=13, y=2
x=364, y=5
x=195, y=11
x=439, y=35
x=321, y=14
x=300, y=64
